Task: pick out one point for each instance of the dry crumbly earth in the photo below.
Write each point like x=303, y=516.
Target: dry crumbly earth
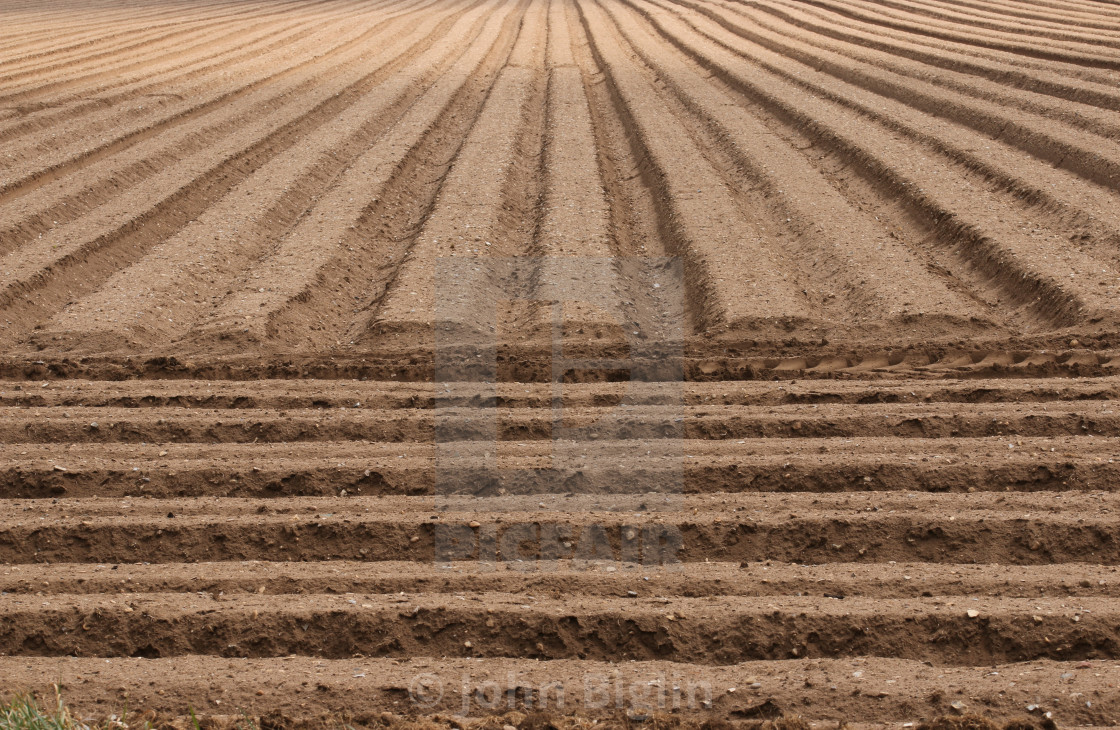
x=649, y=363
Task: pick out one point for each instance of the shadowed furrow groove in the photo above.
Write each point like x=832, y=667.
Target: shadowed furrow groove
x=182, y=195
x=310, y=274
x=990, y=243
x=191, y=110
x=162, y=83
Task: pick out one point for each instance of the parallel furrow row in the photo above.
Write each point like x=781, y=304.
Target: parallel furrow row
x=729, y=358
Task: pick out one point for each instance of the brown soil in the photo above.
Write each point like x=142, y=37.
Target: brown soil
x=665, y=363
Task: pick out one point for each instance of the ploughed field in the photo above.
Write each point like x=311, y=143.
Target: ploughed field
x=725, y=357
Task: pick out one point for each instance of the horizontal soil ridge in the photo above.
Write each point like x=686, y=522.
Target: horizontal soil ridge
x=879, y=690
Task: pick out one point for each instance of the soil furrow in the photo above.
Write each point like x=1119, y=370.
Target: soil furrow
x=1068, y=108
x=326, y=394
x=136, y=46
x=105, y=65
x=703, y=360
x=368, y=689
x=210, y=58
x=316, y=468
x=1059, y=16
x=559, y=579
x=651, y=286
x=1075, y=54
x=693, y=195
x=849, y=18
x=1012, y=251
x=701, y=631
x=69, y=46
x=1088, y=155
x=65, y=162
x=25, y=88
x=315, y=287
x=1003, y=73
x=1030, y=27
x=29, y=425
x=499, y=216
x=85, y=118
x=878, y=278
x=75, y=24
x=1016, y=529
x=468, y=215
x=171, y=200
x=1059, y=199
x=281, y=192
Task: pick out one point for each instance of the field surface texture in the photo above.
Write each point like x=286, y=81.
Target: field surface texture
x=725, y=358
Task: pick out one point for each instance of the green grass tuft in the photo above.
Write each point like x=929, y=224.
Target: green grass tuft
x=26, y=712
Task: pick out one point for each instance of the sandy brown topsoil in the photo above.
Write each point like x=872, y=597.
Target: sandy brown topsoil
x=544, y=363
